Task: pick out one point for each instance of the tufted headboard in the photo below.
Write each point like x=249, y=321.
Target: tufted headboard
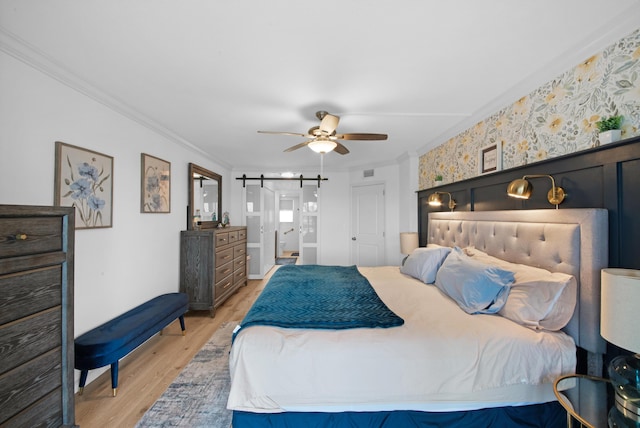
x=573, y=241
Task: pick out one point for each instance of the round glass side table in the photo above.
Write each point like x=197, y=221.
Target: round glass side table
x=584, y=412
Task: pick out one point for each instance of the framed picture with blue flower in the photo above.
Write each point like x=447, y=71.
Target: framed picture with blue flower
x=84, y=180
x=155, y=188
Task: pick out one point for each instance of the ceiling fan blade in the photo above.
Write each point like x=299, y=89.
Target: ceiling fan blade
x=298, y=146
x=340, y=149
x=295, y=134
x=329, y=124
x=362, y=136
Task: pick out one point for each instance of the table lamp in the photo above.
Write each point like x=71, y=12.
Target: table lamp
x=619, y=325
x=408, y=243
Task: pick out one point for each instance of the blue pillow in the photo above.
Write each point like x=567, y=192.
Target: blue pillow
x=423, y=263
x=476, y=287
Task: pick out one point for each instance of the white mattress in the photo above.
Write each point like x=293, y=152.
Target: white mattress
x=441, y=359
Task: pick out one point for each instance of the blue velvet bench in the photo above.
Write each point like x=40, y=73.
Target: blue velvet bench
x=109, y=342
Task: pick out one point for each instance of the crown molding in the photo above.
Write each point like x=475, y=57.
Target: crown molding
x=623, y=25
x=28, y=54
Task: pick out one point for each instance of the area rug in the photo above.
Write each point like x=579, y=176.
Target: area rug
x=286, y=260
x=198, y=396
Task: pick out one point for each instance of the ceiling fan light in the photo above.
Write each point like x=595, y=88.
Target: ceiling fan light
x=322, y=146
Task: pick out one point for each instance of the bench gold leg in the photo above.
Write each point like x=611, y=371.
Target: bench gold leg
x=80, y=390
x=184, y=332
x=161, y=332
x=115, y=391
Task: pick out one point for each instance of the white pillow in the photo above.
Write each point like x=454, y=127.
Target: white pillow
x=476, y=287
x=424, y=262
x=538, y=299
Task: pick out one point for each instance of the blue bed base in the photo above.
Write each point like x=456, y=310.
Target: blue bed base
x=546, y=415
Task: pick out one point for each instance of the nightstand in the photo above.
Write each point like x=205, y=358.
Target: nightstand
x=568, y=388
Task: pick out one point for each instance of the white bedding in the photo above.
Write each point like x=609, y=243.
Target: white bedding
x=441, y=359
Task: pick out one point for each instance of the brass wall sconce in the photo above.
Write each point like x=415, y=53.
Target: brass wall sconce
x=435, y=200
x=521, y=188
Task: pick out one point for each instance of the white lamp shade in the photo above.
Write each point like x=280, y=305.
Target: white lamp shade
x=620, y=306
x=322, y=145
x=408, y=242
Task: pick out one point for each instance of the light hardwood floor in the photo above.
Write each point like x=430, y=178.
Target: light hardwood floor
x=147, y=372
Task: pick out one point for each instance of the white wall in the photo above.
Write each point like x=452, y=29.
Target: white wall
x=138, y=258
x=409, y=182
x=401, y=184
x=333, y=209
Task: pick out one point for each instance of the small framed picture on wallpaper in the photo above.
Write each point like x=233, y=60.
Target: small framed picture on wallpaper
x=155, y=188
x=84, y=180
x=490, y=158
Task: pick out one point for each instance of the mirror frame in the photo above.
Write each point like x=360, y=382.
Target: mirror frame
x=195, y=169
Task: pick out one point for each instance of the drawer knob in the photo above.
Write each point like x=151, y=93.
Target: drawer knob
x=21, y=237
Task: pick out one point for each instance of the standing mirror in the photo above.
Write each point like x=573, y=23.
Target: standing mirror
x=205, y=197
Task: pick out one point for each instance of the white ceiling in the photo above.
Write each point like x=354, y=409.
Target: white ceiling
x=209, y=74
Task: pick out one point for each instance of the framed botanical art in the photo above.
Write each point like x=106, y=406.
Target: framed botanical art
x=155, y=187
x=84, y=180
x=490, y=158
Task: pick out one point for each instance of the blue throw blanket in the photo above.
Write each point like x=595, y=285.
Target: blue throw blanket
x=319, y=297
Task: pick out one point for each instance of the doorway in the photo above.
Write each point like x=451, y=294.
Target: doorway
x=288, y=236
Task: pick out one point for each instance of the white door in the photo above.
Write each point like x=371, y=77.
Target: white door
x=367, y=225
x=259, y=211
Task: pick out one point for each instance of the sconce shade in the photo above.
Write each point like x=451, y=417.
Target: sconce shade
x=519, y=188
x=435, y=200
x=620, y=292
x=322, y=145
x=408, y=242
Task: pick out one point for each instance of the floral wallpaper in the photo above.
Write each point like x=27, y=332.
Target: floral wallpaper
x=556, y=119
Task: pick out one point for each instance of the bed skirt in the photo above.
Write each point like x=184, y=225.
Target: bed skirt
x=545, y=415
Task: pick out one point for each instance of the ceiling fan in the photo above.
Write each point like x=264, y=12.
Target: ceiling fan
x=323, y=138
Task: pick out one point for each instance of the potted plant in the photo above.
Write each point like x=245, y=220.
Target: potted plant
x=609, y=129
x=438, y=179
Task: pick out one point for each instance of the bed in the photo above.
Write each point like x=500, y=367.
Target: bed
x=441, y=366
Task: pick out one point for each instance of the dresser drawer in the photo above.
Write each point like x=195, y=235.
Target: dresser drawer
x=223, y=257
x=222, y=238
x=239, y=275
x=34, y=335
x=242, y=234
x=25, y=385
x=224, y=271
x=233, y=236
x=30, y=235
x=239, y=251
x=239, y=262
x=27, y=293
x=223, y=287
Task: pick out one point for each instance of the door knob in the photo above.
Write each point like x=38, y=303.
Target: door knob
x=353, y=238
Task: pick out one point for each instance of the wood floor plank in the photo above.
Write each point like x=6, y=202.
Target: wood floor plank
x=147, y=371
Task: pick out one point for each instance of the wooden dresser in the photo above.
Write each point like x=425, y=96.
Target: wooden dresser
x=213, y=264
x=36, y=316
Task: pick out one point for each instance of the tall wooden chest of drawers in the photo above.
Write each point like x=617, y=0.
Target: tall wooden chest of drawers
x=213, y=264
x=36, y=316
